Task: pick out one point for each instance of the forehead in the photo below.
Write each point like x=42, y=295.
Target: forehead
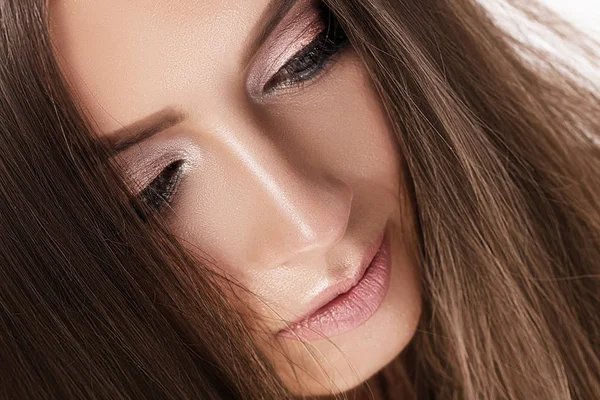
x=128, y=58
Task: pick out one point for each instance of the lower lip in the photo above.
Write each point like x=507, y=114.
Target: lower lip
x=350, y=309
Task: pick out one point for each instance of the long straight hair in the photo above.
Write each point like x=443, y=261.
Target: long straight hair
x=498, y=143
x=94, y=303
x=501, y=144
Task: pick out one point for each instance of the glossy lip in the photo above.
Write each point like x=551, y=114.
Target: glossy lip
x=330, y=299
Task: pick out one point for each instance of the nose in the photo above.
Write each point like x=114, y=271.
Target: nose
x=285, y=205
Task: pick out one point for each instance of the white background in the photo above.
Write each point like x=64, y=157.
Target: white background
x=583, y=13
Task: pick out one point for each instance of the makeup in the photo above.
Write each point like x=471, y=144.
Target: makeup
x=296, y=31
x=352, y=302
x=288, y=166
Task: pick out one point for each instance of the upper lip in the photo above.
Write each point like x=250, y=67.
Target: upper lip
x=344, y=285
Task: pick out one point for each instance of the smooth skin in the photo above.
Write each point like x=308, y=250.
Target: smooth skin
x=284, y=191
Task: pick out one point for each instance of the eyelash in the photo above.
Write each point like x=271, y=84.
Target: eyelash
x=159, y=193
x=304, y=66
x=312, y=59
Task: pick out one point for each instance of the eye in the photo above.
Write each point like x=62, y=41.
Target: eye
x=312, y=59
x=160, y=192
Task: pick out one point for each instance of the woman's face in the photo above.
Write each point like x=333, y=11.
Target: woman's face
x=275, y=159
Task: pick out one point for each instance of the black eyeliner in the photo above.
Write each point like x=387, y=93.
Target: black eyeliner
x=313, y=58
x=160, y=191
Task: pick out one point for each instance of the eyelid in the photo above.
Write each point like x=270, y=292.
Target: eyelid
x=153, y=170
x=142, y=163
x=296, y=30
x=320, y=72
x=161, y=192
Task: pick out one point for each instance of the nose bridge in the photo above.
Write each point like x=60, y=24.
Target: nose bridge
x=303, y=208
x=284, y=187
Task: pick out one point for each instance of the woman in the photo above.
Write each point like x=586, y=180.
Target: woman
x=279, y=199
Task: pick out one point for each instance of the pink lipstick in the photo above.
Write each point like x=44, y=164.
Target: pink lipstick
x=353, y=304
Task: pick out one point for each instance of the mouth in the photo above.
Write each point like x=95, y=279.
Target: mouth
x=350, y=302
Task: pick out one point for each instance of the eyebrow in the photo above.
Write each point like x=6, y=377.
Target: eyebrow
x=123, y=138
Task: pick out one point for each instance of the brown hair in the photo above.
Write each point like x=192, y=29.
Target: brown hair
x=506, y=183
x=95, y=304
x=504, y=175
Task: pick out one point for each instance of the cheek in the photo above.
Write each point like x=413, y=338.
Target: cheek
x=337, y=123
